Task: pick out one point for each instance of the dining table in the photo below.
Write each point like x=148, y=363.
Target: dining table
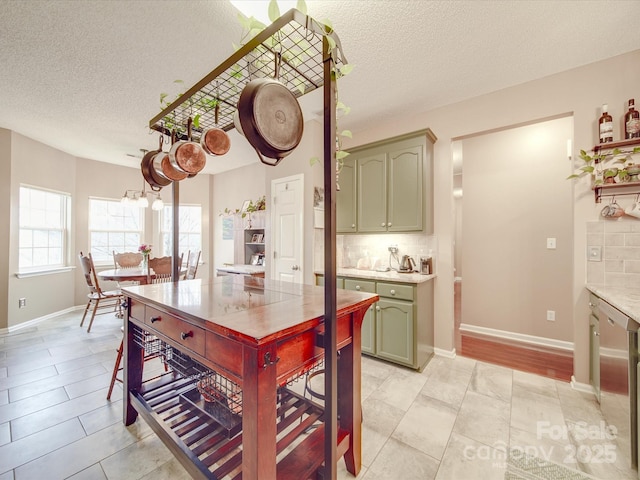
x=141, y=275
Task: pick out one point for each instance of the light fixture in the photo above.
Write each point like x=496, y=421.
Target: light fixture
x=140, y=199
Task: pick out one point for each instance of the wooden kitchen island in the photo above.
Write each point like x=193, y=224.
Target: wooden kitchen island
x=243, y=342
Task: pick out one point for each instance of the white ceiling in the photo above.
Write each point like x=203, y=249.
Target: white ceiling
x=84, y=76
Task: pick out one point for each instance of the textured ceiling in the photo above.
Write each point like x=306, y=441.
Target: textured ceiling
x=85, y=76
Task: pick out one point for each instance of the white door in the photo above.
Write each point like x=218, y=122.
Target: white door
x=287, y=197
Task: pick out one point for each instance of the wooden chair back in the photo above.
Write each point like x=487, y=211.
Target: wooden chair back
x=162, y=269
x=89, y=273
x=127, y=259
x=192, y=265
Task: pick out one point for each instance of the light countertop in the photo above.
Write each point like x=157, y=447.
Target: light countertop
x=625, y=299
x=391, y=276
x=242, y=269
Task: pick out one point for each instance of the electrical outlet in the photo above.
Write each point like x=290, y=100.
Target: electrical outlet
x=551, y=243
x=22, y=302
x=595, y=254
x=551, y=315
x=393, y=248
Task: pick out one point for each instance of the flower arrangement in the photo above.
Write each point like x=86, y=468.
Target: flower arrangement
x=144, y=249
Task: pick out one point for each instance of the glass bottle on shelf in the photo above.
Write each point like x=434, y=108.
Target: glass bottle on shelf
x=632, y=121
x=605, y=125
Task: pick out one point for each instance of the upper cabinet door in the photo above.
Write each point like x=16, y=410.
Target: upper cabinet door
x=405, y=201
x=346, y=198
x=372, y=193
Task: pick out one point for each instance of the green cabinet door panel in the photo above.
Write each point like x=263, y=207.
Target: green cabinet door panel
x=369, y=331
x=394, y=331
x=372, y=193
x=594, y=354
x=346, y=198
x=405, y=201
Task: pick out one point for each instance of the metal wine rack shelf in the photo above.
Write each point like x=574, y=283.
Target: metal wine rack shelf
x=294, y=38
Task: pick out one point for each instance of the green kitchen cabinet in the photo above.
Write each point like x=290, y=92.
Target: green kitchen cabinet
x=346, y=198
x=395, y=326
x=594, y=354
x=393, y=187
x=369, y=320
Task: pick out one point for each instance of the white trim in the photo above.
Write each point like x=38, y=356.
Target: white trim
x=521, y=337
x=441, y=352
x=38, y=320
x=50, y=271
x=457, y=279
x=581, y=387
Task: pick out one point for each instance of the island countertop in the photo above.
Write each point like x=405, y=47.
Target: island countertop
x=250, y=309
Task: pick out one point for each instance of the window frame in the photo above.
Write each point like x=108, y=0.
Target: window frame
x=64, y=228
x=162, y=232
x=96, y=259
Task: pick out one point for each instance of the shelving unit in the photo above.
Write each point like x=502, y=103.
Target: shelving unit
x=252, y=247
x=621, y=188
x=310, y=55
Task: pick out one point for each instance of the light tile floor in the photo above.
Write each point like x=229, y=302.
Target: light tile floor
x=453, y=421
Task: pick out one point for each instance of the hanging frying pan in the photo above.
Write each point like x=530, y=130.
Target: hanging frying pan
x=149, y=171
x=271, y=118
x=214, y=140
x=187, y=156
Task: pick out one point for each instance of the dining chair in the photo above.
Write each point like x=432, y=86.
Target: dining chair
x=127, y=260
x=192, y=264
x=98, y=298
x=161, y=266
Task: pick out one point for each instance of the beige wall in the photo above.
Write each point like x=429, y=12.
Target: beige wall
x=26, y=161
x=581, y=92
x=5, y=215
x=515, y=197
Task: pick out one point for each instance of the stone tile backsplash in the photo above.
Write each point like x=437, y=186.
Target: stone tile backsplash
x=351, y=248
x=620, y=242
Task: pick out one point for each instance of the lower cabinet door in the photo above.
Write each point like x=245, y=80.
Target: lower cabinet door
x=369, y=331
x=394, y=331
x=594, y=354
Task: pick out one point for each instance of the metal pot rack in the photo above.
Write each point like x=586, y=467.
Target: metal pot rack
x=309, y=55
x=622, y=188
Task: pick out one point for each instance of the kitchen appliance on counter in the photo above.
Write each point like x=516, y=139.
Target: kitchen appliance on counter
x=618, y=374
x=407, y=264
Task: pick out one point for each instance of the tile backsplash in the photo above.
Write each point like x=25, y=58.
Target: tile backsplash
x=351, y=248
x=620, y=243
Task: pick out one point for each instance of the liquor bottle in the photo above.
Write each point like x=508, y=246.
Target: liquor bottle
x=632, y=122
x=605, y=123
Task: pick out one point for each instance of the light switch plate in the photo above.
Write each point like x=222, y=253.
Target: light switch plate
x=551, y=243
x=594, y=254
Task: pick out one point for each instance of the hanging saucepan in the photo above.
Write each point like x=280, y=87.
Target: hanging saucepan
x=146, y=169
x=186, y=155
x=214, y=140
x=271, y=118
x=157, y=179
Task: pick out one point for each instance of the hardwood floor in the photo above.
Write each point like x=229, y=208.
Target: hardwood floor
x=549, y=362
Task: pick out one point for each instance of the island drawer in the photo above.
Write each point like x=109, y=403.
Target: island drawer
x=184, y=333
x=394, y=290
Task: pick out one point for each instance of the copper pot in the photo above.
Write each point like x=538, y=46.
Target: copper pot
x=168, y=170
x=156, y=169
x=215, y=141
x=187, y=156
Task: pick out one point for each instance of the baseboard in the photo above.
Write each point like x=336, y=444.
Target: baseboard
x=36, y=321
x=519, y=337
x=581, y=387
x=441, y=352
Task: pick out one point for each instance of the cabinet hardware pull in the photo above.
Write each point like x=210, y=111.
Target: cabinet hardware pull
x=392, y=292
x=382, y=224
x=377, y=308
x=353, y=225
x=155, y=319
x=596, y=334
x=358, y=287
x=389, y=224
x=268, y=361
x=184, y=336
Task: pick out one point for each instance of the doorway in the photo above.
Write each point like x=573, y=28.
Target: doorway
x=511, y=195
x=287, y=196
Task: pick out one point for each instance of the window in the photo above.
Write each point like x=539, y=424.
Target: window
x=44, y=229
x=190, y=229
x=113, y=227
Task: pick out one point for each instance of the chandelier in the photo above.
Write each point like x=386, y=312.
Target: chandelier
x=140, y=199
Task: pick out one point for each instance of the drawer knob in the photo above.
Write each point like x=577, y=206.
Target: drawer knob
x=377, y=308
x=358, y=287
x=596, y=334
x=389, y=224
x=382, y=224
x=392, y=292
x=353, y=225
x=186, y=335
x=155, y=319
